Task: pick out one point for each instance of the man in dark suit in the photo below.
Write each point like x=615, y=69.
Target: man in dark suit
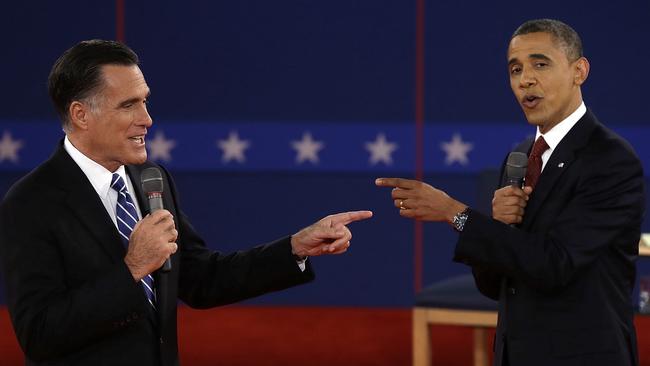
x=80, y=252
x=559, y=254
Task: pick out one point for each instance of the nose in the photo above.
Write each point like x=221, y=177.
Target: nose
x=527, y=78
x=144, y=118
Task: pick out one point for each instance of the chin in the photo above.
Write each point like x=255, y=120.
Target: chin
x=136, y=160
x=534, y=120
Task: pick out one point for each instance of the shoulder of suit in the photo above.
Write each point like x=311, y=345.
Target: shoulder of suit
x=35, y=188
x=606, y=152
x=603, y=139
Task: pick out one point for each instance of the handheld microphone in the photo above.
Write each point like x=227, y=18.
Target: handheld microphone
x=152, y=185
x=516, y=169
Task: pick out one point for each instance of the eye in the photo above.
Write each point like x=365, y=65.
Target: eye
x=515, y=70
x=540, y=64
x=127, y=104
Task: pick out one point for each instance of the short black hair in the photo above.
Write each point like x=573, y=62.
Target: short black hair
x=567, y=38
x=76, y=75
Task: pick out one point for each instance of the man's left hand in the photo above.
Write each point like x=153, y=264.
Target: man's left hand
x=329, y=235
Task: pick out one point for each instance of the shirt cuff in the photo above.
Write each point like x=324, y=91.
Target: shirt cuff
x=301, y=263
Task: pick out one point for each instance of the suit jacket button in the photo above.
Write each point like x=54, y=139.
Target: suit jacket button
x=161, y=340
x=512, y=290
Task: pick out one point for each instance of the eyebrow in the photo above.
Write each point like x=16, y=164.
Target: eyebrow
x=133, y=100
x=536, y=56
x=539, y=56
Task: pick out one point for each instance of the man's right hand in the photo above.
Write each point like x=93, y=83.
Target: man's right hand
x=509, y=203
x=152, y=241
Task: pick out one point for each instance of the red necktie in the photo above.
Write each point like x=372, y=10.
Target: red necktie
x=535, y=162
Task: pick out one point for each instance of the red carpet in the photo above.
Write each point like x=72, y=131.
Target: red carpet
x=315, y=336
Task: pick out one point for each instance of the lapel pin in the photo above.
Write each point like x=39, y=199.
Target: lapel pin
x=561, y=165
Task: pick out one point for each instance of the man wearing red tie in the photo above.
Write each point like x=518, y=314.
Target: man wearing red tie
x=559, y=255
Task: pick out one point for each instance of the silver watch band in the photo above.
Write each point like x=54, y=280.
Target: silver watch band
x=459, y=220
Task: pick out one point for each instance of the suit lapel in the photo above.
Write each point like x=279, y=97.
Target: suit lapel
x=559, y=162
x=134, y=172
x=83, y=202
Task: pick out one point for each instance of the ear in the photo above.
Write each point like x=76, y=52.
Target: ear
x=79, y=114
x=581, y=71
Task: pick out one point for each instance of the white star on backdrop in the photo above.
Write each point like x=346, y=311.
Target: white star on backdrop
x=307, y=149
x=9, y=147
x=381, y=150
x=160, y=147
x=233, y=148
x=456, y=150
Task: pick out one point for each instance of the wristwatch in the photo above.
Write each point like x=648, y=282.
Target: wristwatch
x=459, y=220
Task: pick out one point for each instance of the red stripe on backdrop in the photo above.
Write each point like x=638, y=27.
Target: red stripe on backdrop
x=119, y=20
x=418, y=237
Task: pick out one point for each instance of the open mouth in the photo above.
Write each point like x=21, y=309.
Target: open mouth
x=137, y=139
x=531, y=101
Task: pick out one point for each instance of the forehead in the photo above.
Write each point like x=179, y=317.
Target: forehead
x=534, y=43
x=120, y=80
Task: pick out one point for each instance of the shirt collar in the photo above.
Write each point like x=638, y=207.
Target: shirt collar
x=557, y=133
x=99, y=177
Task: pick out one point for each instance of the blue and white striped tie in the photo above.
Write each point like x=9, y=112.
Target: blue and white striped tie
x=126, y=220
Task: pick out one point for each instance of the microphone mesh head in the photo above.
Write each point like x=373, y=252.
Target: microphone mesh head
x=516, y=165
x=151, y=179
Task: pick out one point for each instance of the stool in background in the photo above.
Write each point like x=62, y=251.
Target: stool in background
x=454, y=301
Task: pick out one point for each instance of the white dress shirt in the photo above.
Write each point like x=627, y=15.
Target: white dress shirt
x=100, y=178
x=557, y=133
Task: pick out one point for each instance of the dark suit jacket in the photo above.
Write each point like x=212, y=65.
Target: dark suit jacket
x=71, y=298
x=564, y=277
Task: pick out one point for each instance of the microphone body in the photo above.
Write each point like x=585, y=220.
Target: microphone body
x=152, y=185
x=516, y=170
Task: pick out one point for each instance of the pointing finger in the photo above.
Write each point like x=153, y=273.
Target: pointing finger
x=396, y=182
x=345, y=218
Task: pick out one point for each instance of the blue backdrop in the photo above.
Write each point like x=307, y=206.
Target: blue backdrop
x=240, y=89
